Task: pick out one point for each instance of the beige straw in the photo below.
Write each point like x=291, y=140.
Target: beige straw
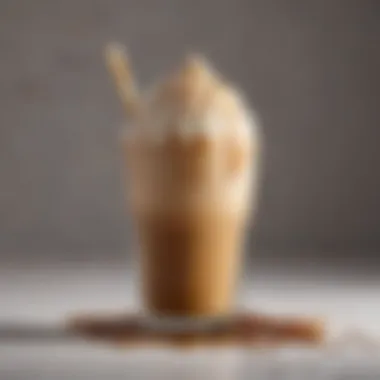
x=119, y=68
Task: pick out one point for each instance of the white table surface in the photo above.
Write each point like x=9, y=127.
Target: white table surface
x=41, y=296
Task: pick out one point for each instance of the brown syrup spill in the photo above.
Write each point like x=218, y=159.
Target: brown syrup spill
x=246, y=329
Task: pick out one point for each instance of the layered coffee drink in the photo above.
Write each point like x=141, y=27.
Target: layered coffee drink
x=192, y=164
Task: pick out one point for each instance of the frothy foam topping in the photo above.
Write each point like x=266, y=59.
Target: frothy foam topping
x=195, y=100
x=195, y=104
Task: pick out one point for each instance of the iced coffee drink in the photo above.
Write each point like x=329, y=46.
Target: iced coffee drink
x=192, y=162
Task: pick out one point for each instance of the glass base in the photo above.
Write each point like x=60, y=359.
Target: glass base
x=170, y=324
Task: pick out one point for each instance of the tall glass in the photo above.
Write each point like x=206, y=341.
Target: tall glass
x=190, y=196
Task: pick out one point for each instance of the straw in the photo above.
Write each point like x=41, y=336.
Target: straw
x=119, y=68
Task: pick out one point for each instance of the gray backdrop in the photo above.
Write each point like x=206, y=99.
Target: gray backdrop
x=311, y=69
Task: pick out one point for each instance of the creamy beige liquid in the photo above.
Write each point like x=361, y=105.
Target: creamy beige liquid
x=190, y=192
